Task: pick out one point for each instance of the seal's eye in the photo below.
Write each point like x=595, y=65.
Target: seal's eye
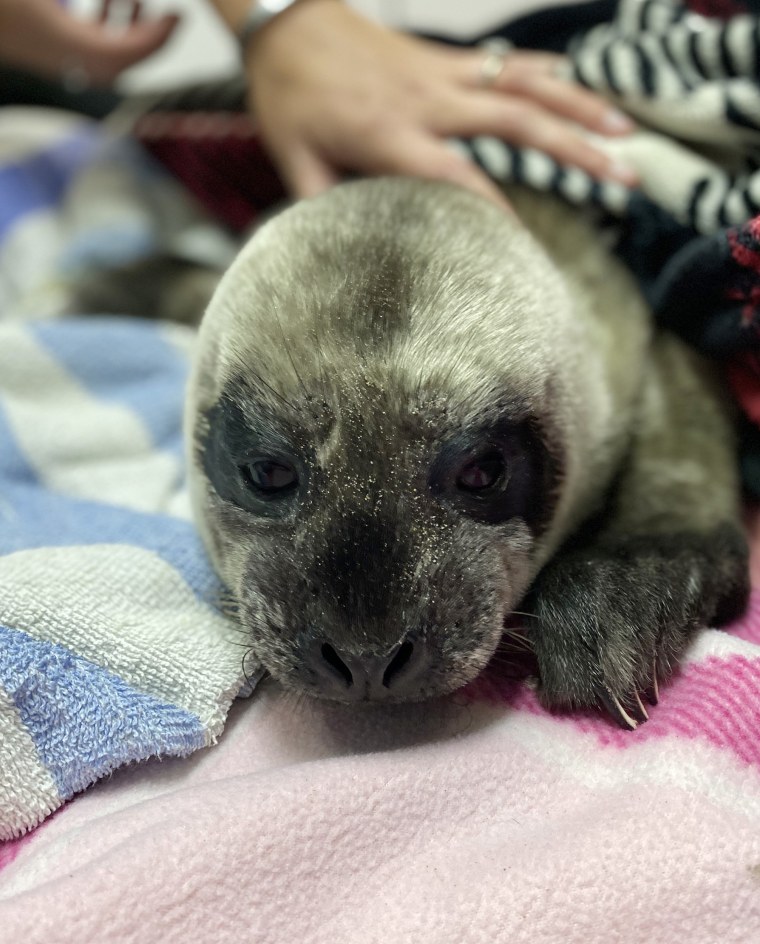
x=270, y=477
x=491, y=474
x=482, y=473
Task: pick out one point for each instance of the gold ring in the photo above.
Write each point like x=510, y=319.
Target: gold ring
x=492, y=66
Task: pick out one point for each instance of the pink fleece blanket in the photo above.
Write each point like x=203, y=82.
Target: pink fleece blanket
x=477, y=819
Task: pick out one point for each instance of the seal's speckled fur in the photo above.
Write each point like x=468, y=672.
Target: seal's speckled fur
x=363, y=333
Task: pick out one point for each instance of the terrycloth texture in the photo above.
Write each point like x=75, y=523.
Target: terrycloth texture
x=433, y=824
x=476, y=819
x=111, y=646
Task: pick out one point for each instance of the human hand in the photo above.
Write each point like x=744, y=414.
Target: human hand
x=333, y=93
x=43, y=36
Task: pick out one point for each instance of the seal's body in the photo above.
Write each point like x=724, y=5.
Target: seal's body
x=406, y=405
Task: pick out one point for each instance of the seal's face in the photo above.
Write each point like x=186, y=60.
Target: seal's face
x=370, y=473
x=377, y=546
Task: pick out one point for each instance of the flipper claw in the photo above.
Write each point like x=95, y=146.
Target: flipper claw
x=617, y=711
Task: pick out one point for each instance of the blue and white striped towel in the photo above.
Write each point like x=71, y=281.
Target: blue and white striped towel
x=112, y=647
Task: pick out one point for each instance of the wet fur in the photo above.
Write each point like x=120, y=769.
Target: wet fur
x=371, y=329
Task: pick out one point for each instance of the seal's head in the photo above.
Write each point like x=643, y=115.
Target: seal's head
x=379, y=436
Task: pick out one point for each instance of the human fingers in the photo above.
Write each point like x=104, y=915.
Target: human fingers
x=523, y=123
x=537, y=76
x=417, y=154
x=304, y=172
x=567, y=99
x=466, y=66
x=103, y=53
x=43, y=36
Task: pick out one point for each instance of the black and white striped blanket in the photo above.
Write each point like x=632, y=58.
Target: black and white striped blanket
x=691, y=231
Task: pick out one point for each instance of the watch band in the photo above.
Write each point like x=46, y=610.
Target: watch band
x=260, y=13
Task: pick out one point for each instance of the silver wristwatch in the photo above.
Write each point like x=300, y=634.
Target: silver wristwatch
x=261, y=12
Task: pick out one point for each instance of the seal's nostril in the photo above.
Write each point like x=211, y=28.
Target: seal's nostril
x=349, y=675
x=397, y=663
x=332, y=658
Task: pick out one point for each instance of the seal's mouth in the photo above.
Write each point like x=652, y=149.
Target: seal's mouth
x=353, y=666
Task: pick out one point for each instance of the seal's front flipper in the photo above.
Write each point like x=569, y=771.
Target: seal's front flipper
x=615, y=611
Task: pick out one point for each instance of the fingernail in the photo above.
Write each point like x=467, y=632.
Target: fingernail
x=623, y=173
x=616, y=122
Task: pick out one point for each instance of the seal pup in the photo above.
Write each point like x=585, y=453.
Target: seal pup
x=412, y=413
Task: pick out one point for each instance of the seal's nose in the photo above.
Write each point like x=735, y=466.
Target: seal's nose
x=358, y=677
